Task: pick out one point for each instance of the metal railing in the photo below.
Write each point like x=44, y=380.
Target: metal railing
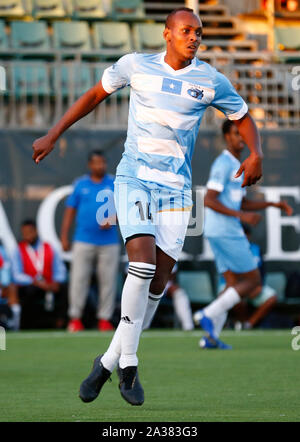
x=39, y=92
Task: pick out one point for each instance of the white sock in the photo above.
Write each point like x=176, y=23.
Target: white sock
x=133, y=309
x=219, y=322
x=112, y=355
x=223, y=303
x=153, y=303
x=14, y=322
x=182, y=309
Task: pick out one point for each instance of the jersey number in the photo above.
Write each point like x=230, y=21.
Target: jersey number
x=141, y=210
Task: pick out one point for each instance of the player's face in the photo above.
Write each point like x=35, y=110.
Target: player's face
x=234, y=139
x=184, y=35
x=29, y=234
x=97, y=165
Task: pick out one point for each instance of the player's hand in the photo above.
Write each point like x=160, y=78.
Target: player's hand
x=41, y=284
x=283, y=205
x=42, y=147
x=105, y=226
x=108, y=222
x=251, y=218
x=252, y=168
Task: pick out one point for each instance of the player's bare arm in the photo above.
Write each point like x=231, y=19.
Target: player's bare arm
x=83, y=106
x=69, y=215
x=252, y=166
x=261, y=205
x=211, y=200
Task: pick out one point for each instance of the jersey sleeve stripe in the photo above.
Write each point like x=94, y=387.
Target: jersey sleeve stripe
x=105, y=83
x=213, y=185
x=238, y=115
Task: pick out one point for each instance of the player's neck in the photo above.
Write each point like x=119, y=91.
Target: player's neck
x=175, y=63
x=236, y=154
x=96, y=178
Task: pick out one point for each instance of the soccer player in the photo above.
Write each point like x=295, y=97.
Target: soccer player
x=169, y=93
x=225, y=208
x=92, y=243
x=38, y=273
x=265, y=301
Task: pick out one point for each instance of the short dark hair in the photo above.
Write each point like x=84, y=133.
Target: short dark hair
x=28, y=222
x=226, y=127
x=174, y=12
x=95, y=153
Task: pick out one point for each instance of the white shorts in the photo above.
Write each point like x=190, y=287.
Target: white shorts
x=148, y=208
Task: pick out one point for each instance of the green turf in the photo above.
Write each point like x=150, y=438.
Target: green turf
x=258, y=380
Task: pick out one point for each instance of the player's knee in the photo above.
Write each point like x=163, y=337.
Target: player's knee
x=158, y=284
x=259, y=288
x=255, y=278
x=256, y=281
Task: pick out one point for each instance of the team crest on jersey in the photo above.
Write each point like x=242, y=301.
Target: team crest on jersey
x=195, y=93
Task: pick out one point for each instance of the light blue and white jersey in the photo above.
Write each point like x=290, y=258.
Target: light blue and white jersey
x=166, y=108
x=222, y=180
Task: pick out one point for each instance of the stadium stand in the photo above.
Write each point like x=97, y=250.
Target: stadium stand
x=277, y=280
x=148, y=37
x=88, y=9
x=78, y=78
x=30, y=80
x=11, y=9
x=31, y=36
x=98, y=33
x=287, y=38
x=112, y=39
x=197, y=285
x=48, y=9
x=3, y=36
x=71, y=36
x=287, y=41
x=127, y=10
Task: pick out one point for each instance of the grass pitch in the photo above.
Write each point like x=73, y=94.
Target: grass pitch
x=40, y=374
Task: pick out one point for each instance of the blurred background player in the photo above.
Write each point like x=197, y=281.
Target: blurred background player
x=38, y=272
x=10, y=309
x=226, y=207
x=263, y=303
x=95, y=244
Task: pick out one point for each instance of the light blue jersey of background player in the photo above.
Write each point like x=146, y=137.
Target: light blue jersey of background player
x=225, y=233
